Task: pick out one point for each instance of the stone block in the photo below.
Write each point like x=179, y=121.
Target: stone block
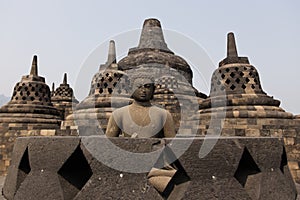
x=289, y=141
x=252, y=133
x=240, y=132
x=47, y=132
x=293, y=165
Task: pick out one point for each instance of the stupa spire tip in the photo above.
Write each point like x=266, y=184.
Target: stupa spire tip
x=34, y=69
x=65, y=79
x=111, y=53
x=231, y=46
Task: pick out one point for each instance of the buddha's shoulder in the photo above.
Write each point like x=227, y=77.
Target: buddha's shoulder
x=120, y=111
x=159, y=109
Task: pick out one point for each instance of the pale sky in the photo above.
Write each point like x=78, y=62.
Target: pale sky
x=65, y=33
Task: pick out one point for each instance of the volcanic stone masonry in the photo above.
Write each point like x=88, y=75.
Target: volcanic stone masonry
x=239, y=168
x=237, y=106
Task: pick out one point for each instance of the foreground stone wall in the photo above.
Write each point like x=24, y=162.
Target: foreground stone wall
x=288, y=129
x=69, y=168
x=8, y=137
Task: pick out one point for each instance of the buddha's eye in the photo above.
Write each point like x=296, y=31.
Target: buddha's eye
x=147, y=85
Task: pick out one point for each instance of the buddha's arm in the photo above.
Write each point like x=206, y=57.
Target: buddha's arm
x=112, y=129
x=169, y=129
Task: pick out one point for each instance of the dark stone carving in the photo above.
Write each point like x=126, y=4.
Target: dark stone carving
x=74, y=174
x=211, y=177
x=63, y=98
x=247, y=167
x=24, y=168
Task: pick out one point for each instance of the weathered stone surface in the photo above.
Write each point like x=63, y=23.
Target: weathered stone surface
x=69, y=168
x=29, y=110
x=152, y=49
x=63, y=98
x=238, y=100
x=109, y=89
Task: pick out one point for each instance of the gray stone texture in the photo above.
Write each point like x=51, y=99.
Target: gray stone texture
x=63, y=98
x=65, y=168
x=29, y=111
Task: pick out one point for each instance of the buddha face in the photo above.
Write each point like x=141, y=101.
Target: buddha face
x=143, y=92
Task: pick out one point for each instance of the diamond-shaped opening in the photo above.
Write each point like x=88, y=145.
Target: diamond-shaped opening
x=227, y=81
x=237, y=80
x=236, y=69
x=74, y=174
x=244, y=86
x=246, y=167
x=247, y=80
x=227, y=69
x=253, y=86
x=178, y=182
x=241, y=74
x=105, y=85
x=232, y=74
x=284, y=160
x=110, y=79
x=24, y=168
x=119, y=91
x=223, y=76
x=110, y=90
x=232, y=87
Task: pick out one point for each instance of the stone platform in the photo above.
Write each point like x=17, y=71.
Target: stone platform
x=72, y=168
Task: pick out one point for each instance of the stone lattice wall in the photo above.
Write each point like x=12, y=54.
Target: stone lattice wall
x=237, y=168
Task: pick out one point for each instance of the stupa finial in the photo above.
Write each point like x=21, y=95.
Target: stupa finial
x=111, y=53
x=65, y=79
x=34, y=69
x=152, y=36
x=232, y=55
x=53, y=87
x=231, y=46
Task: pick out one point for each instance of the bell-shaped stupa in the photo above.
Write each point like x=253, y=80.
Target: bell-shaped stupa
x=238, y=106
x=152, y=49
x=63, y=98
x=109, y=90
x=236, y=87
x=30, y=107
x=173, y=76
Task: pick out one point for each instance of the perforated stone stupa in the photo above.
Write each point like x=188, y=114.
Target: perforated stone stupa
x=30, y=107
x=173, y=76
x=29, y=112
x=236, y=91
x=92, y=114
x=238, y=106
x=63, y=98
